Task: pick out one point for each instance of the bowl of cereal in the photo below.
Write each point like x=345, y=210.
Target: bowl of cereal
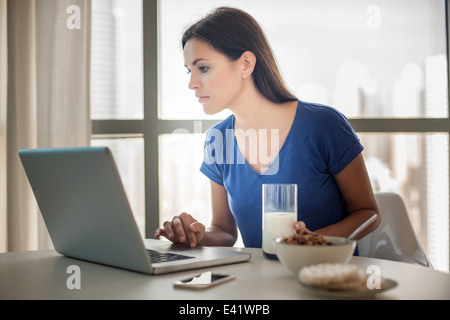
x=304, y=249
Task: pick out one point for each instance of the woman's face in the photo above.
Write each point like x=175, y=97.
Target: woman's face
x=216, y=80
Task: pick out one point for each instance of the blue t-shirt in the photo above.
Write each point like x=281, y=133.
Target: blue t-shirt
x=319, y=145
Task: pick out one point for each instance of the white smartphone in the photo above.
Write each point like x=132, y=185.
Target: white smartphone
x=203, y=281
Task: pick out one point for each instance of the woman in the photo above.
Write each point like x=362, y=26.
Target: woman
x=232, y=66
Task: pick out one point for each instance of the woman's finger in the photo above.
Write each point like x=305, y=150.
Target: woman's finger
x=178, y=229
x=300, y=226
x=199, y=230
x=168, y=228
x=187, y=220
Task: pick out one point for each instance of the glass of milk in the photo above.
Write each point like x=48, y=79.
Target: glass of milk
x=279, y=214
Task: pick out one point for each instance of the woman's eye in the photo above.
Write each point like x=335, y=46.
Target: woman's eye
x=188, y=71
x=203, y=69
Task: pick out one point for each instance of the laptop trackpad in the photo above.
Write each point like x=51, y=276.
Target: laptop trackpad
x=205, y=253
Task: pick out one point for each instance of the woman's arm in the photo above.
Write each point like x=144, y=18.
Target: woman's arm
x=354, y=184
x=223, y=229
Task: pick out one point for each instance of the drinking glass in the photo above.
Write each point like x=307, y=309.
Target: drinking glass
x=279, y=214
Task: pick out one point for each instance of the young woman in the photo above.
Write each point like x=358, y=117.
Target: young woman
x=232, y=66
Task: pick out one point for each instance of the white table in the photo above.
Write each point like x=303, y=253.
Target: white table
x=43, y=275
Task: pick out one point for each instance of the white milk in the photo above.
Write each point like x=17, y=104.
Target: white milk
x=276, y=224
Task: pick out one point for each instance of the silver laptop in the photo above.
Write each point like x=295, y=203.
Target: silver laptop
x=88, y=216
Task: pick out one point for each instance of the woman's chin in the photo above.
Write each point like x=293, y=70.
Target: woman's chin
x=208, y=110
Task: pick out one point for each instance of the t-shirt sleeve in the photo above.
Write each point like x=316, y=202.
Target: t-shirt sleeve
x=211, y=173
x=212, y=165
x=341, y=145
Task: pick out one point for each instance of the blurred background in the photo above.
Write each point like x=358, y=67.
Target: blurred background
x=381, y=63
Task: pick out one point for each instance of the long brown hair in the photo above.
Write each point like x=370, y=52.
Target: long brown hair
x=232, y=32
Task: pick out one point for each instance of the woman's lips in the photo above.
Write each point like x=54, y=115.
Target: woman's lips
x=202, y=98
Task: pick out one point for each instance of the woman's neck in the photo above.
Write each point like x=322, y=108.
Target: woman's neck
x=260, y=113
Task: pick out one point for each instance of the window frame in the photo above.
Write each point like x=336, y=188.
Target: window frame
x=151, y=127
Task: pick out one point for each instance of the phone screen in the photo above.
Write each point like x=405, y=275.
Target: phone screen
x=214, y=277
x=204, y=280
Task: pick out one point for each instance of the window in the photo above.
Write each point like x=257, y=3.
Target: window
x=117, y=92
x=117, y=67
x=384, y=64
x=415, y=165
x=347, y=54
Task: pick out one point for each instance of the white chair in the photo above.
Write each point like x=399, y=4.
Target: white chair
x=394, y=239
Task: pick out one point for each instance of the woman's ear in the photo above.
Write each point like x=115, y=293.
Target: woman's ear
x=248, y=63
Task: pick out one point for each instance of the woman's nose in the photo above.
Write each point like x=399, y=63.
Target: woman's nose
x=193, y=83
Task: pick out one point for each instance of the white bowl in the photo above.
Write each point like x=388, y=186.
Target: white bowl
x=297, y=256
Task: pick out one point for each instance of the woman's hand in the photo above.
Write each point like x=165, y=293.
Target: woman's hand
x=300, y=227
x=182, y=229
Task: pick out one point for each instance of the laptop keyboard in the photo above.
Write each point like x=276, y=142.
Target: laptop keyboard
x=158, y=257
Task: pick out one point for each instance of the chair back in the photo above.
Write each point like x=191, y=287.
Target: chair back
x=394, y=239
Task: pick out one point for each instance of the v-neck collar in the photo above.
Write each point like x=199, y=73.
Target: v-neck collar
x=276, y=160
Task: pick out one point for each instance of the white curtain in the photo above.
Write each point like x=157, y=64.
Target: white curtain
x=44, y=101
